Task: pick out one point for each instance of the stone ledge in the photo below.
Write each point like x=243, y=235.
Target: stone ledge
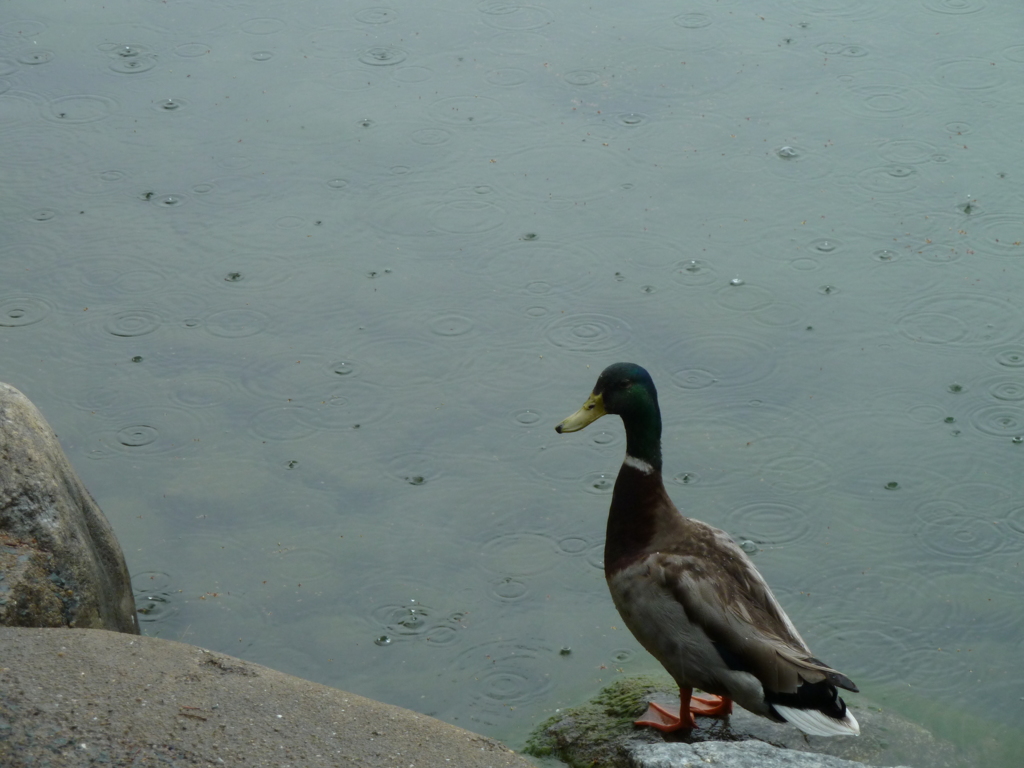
x=92, y=697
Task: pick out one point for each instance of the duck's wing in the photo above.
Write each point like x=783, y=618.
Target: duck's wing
x=723, y=594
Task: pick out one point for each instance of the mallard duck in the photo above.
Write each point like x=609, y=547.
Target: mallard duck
x=690, y=594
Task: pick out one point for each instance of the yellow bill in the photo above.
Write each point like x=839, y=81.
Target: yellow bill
x=591, y=411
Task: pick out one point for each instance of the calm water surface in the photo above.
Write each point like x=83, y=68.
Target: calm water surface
x=304, y=287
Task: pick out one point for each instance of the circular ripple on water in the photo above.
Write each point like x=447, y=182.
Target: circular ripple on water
x=959, y=319
x=846, y=9
x=598, y=483
x=901, y=152
x=192, y=50
x=997, y=233
x=348, y=406
x=466, y=110
x=970, y=74
x=155, y=597
x=405, y=621
x=465, y=217
x=418, y=211
x=22, y=29
x=430, y=137
x=955, y=7
x=16, y=311
x=507, y=77
x=770, y=523
x=235, y=323
x=255, y=274
x=934, y=511
x=939, y=253
x=799, y=163
x=203, y=391
x=79, y=109
x=581, y=77
x=133, y=64
x=228, y=191
x=282, y=422
x=744, y=298
x=415, y=467
x=573, y=545
x=263, y=26
x=1009, y=390
x=519, y=18
x=107, y=276
x=504, y=674
x=893, y=179
x=957, y=536
x=508, y=590
x=595, y=556
x=1001, y=419
x=722, y=359
x=451, y=325
x=842, y=49
x=133, y=322
x=694, y=272
x=383, y=56
x=99, y=183
x=525, y=417
x=796, y=471
x=34, y=56
x=884, y=101
x=1010, y=357
x=689, y=31
x=379, y=15
x=588, y=333
x=519, y=554
x=1013, y=53
x=149, y=430
x=1015, y=519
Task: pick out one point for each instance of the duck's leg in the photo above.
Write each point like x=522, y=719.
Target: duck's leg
x=665, y=719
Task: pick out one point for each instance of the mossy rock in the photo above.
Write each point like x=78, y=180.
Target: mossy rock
x=601, y=733
x=596, y=733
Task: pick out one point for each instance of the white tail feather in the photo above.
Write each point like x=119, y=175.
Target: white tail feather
x=815, y=723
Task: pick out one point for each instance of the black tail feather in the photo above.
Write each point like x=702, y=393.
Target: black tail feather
x=821, y=696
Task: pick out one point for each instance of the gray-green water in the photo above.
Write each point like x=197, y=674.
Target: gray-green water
x=304, y=287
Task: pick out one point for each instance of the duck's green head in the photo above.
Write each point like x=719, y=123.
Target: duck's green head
x=625, y=389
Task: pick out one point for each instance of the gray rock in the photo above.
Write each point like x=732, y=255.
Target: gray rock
x=60, y=564
x=601, y=733
x=735, y=754
x=74, y=698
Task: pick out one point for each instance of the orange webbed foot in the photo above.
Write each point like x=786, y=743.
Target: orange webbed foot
x=665, y=719
x=712, y=706
x=668, y=720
